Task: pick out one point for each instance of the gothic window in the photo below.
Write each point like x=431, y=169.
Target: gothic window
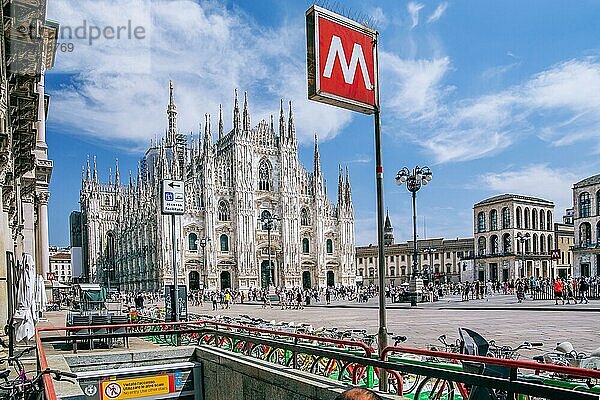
x=494, y=244
x=193, y=241
x=527, y=225
x=535, y=243
x=224, y=242
x=519, y=222
x=305, y=246
x=542, y=244
x=329, y=246
x=505, y=218
x=264, y=175
x=506, y=244
x=550, y=247
x=542, y=220
x=585, y=234
x=584, y=205
x=493, y=220
x=481, y=246
x=304, y=217
x=224, y=214
x=549, y=221
x=481, y=222
x=534, y=219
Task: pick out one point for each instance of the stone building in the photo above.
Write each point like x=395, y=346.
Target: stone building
x=438, y=260
x=586, y=204
x=564, y=241
x=499, y=252
x=60, y=265
x=247, y=173
x=27, y=48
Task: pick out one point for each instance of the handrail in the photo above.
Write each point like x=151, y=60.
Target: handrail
x=515, y=386
x=48, y=382
x=580, y=372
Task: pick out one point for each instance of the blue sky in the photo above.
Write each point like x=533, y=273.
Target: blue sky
x=495, y=97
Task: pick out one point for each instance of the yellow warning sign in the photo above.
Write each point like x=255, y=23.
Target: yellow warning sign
x=135, y=388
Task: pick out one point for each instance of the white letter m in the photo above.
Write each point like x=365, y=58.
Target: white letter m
x=336, y=50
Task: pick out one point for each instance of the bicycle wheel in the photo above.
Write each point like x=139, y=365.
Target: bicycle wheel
x=436, y=388
x=409, y=382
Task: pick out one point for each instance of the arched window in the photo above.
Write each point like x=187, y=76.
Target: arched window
x=550, y=244
x=584, y=205
x=329, y=246
x=223, y=211
x=527, y=225
x=542, y=244
x=505, y=218
x=305, y=246
x=392, y=271
x=304, y=217
x=481, y=246
x=535, y=243
x=494, y=244
x=264, y=175
x=193, y=241
x=224, y=239
x=549, y=221
x=527, y=246
x=585, y=234
x=506, y=244
x=542, y=220
x=519, y=218
x=481, y=222
x=493, y=220
x=534, y=219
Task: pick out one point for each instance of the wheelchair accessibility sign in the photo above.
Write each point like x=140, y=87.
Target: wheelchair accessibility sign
x=173, y=197
x=136, y=388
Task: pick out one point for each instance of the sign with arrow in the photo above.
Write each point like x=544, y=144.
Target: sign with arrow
x=173, y=197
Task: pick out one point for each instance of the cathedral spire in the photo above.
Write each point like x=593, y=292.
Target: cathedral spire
x=317, y=158
x=220, y=121
x=172, y=114
x=207, y=133
x=281, y=121
x=110, y=176
x=388, y=230
x=291, y=127
x=341, y=188
x=117, y=177
x=87, y=170
x=95, y=175
x=272, y=126
x=236, y=113
x=348, y=188
x=246, y=113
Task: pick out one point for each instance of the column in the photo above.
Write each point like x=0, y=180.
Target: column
x=43, y=245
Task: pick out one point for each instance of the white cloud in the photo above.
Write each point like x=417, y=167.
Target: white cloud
x=560, y=105
x=379, y=18
x=413, y=10
x=121, y=86
x=538, y=180
x=438, y=12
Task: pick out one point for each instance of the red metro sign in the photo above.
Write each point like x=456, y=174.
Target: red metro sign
x=342, y=61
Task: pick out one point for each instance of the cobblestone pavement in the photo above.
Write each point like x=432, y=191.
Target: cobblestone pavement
x=497, y=319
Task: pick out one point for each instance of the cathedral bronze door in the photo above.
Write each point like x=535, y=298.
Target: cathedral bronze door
x=265, y=271
x=330, y=279
x=225, y=280
x=306, y=281
x=194, y=280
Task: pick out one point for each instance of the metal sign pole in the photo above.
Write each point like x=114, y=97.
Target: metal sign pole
x=175, y=309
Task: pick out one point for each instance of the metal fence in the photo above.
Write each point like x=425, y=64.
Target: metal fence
x=546, y=292
x=347, y=362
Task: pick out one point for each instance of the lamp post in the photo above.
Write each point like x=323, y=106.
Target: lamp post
x=203, y=242
x=429, y=251
x=268, y=224
x=523, y=238
x=414, y=179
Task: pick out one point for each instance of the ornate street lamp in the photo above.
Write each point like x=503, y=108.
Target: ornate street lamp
x=268, y=223
x=522, y=239
x=414, y=179
x=203, y=242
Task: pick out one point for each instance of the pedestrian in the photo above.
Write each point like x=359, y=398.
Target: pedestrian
x=328, y=296
x=583, y=289
x=569, y=292
x=558, y=291
x=213, y=298
x=520, y=290
x=358, y=394
x=299, y=300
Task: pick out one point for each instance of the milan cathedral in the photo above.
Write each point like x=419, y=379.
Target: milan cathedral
x=230, y=184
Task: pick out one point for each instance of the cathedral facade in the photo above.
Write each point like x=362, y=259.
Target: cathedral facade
x=232, y=184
